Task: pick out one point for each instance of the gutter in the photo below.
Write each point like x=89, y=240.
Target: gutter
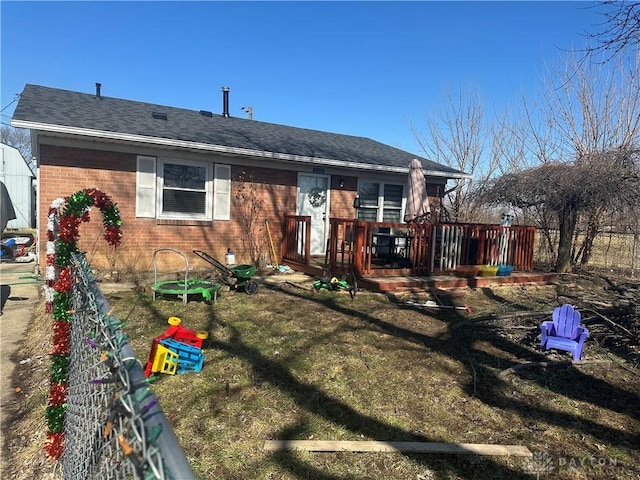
x=207, y=147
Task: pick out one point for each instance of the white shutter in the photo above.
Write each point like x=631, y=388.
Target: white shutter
x=222, y=192
x=146, y=187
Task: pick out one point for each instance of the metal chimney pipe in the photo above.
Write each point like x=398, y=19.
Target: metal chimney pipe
x=98, y=85
x=225, y=101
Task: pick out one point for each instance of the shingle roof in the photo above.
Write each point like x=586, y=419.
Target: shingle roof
x=56, y=107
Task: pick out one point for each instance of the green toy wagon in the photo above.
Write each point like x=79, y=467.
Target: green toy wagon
x=238, y=277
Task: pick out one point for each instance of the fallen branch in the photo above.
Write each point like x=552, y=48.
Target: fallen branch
x=297, y=285
x=622, y=365
x=499, y=316
x=505, y=327
x=561, y=363
x=612, y=285
x=513, y=327
x=574, y=298
x=610, y=321
x=600, y=304
x=473, y=368
x=432, y=304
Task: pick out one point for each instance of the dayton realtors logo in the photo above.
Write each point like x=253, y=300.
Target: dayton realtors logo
x=542, y=463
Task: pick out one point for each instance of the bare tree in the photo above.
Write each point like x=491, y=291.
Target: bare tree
x=509, y=145
x=20, y=139
x=586, y=126
x=456, y=137
x=570, y=189
x=594, y=110
x=619, y=30
x=249, y=202
x=522, y=142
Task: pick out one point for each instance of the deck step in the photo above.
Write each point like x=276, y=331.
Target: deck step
x=415, y=284
x=445, y=282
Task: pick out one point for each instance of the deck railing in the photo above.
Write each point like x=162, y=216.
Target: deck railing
x=296, y=243
x=386, y=248
x=482, y=244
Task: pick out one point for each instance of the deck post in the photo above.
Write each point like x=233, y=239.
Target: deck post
x=359, y=248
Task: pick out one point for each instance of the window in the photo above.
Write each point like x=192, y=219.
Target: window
x=380, y=202
x=181, y=189
x=184, y=189
x=392, y=201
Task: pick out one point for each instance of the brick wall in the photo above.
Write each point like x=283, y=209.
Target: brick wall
x=65, y=170
x=342, y=198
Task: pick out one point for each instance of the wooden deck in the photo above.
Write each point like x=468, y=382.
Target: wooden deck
x=376, y=249
x=397, y=257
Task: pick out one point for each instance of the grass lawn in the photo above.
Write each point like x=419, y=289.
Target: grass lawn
x=290, y=363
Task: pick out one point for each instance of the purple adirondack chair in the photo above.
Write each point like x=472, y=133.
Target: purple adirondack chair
x=564, y=332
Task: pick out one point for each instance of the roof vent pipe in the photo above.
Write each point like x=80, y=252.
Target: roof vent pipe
x=225, y=101
x=98, y=85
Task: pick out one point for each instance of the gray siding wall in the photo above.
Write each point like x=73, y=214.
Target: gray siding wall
x=19, y=180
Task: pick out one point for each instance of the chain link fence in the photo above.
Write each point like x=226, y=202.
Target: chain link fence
x=114, y=427
x=614, y=251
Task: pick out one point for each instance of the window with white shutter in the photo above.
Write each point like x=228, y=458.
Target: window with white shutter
x=146, y=187
x=168, y=188
x=222, y=192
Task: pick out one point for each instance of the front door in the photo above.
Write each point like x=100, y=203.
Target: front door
x=313, y=201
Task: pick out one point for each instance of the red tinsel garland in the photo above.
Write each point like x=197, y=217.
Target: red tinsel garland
x=68, y=228
x=58, y=393
x=77, y=208
x=54, y=445
x=61, y=338
x=63, y=284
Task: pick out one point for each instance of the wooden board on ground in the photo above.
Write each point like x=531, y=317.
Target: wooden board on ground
x=414, y=447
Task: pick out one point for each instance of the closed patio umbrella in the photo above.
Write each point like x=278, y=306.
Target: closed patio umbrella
x=417, y=206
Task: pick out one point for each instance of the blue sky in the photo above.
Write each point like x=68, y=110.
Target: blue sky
x=359, y=68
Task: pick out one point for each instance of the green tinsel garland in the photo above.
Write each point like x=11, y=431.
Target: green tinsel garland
x=59, y=368
x=111, y=216
x=55, y=417
x=62, y=306
x=63, y=253
x=75, y=211
x=78, y=203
